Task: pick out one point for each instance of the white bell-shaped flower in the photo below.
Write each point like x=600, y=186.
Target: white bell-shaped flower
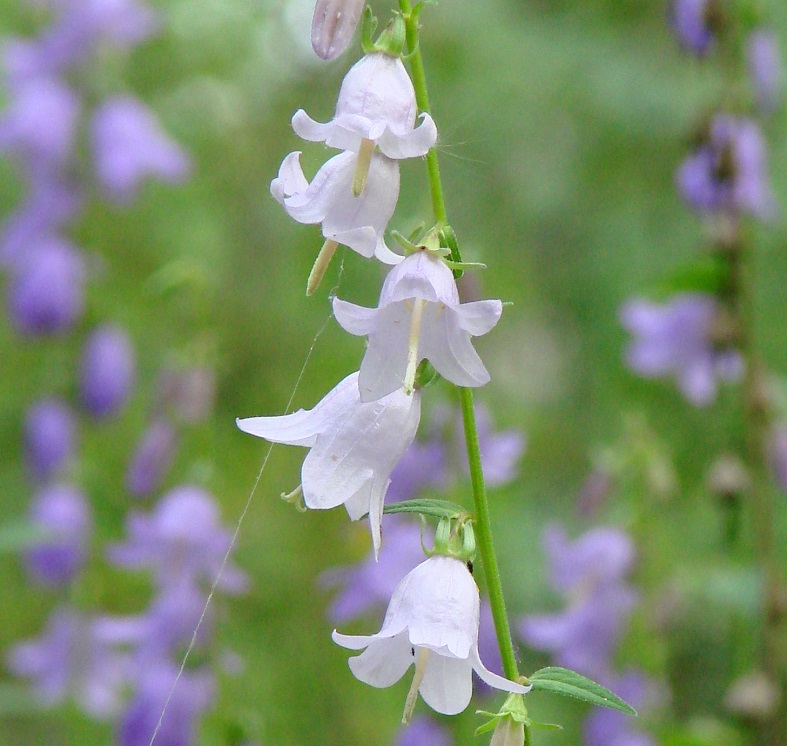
x=419, y=316
x=354, y=447
x=432, y=622
x=376, y=103
x=357, y=222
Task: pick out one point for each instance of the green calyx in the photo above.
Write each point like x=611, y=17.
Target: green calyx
x=435, y=241
x=513, y=713
x=391, y=40
x=455, y=538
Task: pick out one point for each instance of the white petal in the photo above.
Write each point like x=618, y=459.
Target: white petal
x=421, y=275
x=362, y=240
x=357, y=320
x=414, y=144
x=290, y=179
x=480, y=316
x=307, y=129
x=385, y=362
x=328, y=192
x=385, y=255
x=447, y=684
x=492, y=679
x=384, y=662
x=376, y=501
x=449, y=349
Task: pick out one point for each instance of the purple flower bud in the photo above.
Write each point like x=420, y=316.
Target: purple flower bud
x=64, y=513
x=46, y=289
x=423, y=731
x=677, y=339
x=728, y=171
x=50, y=431
x=765, y=68
x=694, y=24
x=129, y=146
x=182, y=539
x=40, y=121
x=152, y=458
x=333, y=25
x=108, y=371
x=184, y=703
x=69, y=660
x=778, y=455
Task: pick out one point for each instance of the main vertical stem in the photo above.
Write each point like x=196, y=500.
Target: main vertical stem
x=482, y=522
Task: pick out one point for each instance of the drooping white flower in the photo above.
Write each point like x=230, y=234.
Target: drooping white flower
x=354, y=447
x=376, y=103
x=419, y=316
x=356, y=222
x=432, y=622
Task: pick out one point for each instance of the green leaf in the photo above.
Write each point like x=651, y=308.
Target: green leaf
x=16, y=537
x=572, y=684
x=426, y=506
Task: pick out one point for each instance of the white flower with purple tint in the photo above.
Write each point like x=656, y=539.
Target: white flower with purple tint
x=357, y=222
x=354, y=447
x=129, y=146
x=676, y=339
x=50, y=435
x=432, y=623
x=419, y=316
x=333, y=25
x=70, y=660
x=728, y=171
x=591, y=572
x=63, y=513
x=694, y=24
x=182, y=539
x=765, y=68
x=46, y=288
x=377, y=105
x=108, y=371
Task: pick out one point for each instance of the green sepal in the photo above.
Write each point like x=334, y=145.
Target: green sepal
x=448, y=241
x=513, y=707
x=393, y=38
x=426, y=506
x=708, y=274
x=19, y=536
x=368, y=27
x=425, y=375
x=569, y=683
x=545, y=726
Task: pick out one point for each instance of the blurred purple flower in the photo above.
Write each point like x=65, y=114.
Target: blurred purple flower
x=677, y=339
x=50, y=433
x=500, y=452
x=423, y=731
x=488, y=648
x=46, y=288
x=369, y=585
x=64, y=513
x=181, y=541
x=40, y=122
x=765, y=68
x=693, y=22
x=192, y=695
x=778, y=454
x=604, y=727
x=190, y=391
x=590, y=572
x=728, y=171
x=129, y=146
x=69, y=660
x=422, y=465
x=108, y=370
x=152, y=458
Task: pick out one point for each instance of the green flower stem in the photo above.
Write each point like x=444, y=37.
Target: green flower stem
x=482, y=523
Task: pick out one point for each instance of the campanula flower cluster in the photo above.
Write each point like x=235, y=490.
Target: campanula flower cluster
x=361, y=431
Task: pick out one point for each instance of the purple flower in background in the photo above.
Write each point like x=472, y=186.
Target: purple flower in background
x=129, y=146
x=778, y=454
x=50, y=432
x=64, y=513
x=694, y=24
x=765, y=68
x=488, y=648
x=189, y=391
x=500, y=452
x=369, y=585
x=591, y=573
x=107, y=372
x=605, y=727
x=152, y=458
x=422, y=465
x=40, y=122
x=181, y=540
x=728, y=170
x=46, y=288
x=70, y=660
x=193, y=694
x=676, y=339
x=423, y=731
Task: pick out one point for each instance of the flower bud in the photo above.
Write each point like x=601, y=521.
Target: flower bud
x=508, y=733
x=333, y=25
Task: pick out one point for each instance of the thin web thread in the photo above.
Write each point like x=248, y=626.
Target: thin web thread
x=246, y=506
